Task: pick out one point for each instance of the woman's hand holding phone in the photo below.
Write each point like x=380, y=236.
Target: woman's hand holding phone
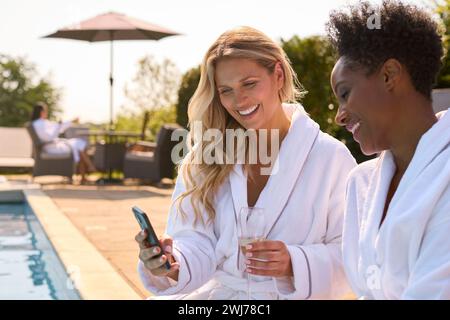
x=149, y=255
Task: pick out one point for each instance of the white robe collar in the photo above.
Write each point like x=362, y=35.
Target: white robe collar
x=436, y=139
x=293, y=153
x=431, y=144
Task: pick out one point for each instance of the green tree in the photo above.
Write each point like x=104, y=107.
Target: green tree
x=153, y=90
x=189, y=84
x=154, y=85
x=20, y=88
x=442, y=8
x=133, y=121
x=313, y=59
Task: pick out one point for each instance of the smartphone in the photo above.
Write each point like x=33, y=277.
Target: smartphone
x=145, y=224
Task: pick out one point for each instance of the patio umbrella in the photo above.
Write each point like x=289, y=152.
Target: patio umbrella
x=109, y=27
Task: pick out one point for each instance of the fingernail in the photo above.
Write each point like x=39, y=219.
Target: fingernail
x=142, y=233
x=248, y=254
x=161, y=259
x=247, y=262
x=156, y=250
x=168, y=249
x=248, y=247
x=248, y=270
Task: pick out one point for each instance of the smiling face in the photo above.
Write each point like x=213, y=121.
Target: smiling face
x=365, y=106
x=249, y=92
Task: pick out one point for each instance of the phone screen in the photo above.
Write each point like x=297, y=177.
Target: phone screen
x=145, y=224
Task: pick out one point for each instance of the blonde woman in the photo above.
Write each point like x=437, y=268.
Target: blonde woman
x=246, y=82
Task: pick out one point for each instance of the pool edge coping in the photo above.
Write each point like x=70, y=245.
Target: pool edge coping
x=95, y=278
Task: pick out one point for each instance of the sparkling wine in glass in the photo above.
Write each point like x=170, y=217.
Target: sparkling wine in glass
x=251, y=229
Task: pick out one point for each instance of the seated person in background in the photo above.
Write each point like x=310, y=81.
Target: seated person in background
x=397, y=220
x=49, y=131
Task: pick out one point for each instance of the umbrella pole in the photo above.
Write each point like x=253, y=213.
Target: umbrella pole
x=111, y=81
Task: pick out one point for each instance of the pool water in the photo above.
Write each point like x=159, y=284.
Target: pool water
x=29, y=267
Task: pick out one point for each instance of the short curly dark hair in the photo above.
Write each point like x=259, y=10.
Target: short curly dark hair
x=405, y=33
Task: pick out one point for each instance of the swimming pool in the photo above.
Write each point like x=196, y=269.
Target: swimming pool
x=29, y=267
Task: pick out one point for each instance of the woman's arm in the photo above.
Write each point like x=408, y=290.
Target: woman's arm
x=318, y=271
x=193, y=248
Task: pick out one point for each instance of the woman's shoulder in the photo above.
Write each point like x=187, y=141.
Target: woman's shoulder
x=330, y=147
x=41, y=122
x=38, y=124
x=362, y=172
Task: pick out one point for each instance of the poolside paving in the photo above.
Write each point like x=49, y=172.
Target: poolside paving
x=103, y=215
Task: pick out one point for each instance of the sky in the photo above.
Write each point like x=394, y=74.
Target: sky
x=81, y=69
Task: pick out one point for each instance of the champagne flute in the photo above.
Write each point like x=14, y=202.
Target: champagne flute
x=251, y=229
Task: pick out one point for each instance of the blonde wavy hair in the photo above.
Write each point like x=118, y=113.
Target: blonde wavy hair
x=202, y=181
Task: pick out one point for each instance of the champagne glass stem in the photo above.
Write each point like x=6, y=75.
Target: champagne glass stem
x=249, y=294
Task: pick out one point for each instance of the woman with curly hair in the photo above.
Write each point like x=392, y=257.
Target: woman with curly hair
x=245, y=85
x=395, y=238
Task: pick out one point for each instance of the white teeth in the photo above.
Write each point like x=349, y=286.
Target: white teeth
x=248, y=111
x=355, y=127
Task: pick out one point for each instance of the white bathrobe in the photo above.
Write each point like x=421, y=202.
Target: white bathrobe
x=304, y=205
x=409, y=256
x=48, y=132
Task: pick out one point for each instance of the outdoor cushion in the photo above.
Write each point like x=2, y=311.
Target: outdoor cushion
x=16, y=162
x=140, y=156
x=54, y=156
